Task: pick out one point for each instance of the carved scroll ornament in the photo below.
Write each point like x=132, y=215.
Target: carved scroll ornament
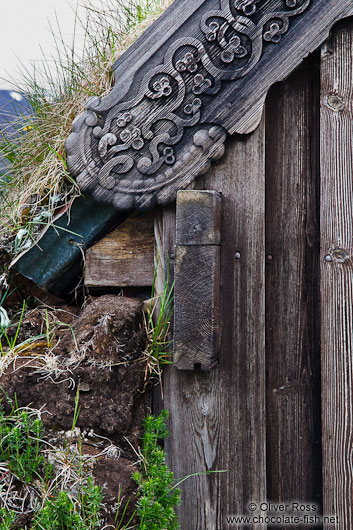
x=167, y=119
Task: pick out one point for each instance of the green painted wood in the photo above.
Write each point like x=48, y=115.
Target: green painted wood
x=55, y=262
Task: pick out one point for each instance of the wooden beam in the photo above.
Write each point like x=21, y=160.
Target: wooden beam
x=125, y=257
x=218, y=420
x=292, y=284
x=337, y=274
x=197, y=280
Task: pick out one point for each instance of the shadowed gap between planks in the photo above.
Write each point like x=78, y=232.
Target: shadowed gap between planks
x=292, y=288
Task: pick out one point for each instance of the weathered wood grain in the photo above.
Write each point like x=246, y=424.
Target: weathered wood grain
x=198, y=220
x=201, y=72
x=196, y=306
x=125, y=257
x=197, y=279
x=218, y=417
x=292, y=284
x=337, y=274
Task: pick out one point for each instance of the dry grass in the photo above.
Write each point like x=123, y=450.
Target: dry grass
x=67, y=467
x=39, y=184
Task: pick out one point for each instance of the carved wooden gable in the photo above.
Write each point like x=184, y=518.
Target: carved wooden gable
x=202, y=71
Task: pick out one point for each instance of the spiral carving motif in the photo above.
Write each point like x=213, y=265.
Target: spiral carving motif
x=132, y=151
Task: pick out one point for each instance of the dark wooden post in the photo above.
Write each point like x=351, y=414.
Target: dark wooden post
x=197, y=279
x=337, y=275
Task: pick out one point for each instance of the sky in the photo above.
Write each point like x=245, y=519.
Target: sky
x=25, y=27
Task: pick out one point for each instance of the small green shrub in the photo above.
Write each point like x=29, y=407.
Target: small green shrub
x=20, y=443
x=158, y=496
x=21, y=447
x=63, y=513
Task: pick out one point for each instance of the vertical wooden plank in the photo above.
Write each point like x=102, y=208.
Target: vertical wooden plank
x=292, y=284
x=218, y=418
x=337, y=274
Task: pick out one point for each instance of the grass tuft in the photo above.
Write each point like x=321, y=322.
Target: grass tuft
x=55, y=487
x=158, y=315
x=52, y=484
x=38, y=185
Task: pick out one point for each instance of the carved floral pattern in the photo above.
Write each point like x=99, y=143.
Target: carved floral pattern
x=132, y=136
x=201, y=84
x=136, y=151
x=160, y=88
x=188, y=62
x=274, y=33
x=193, y=107
x=212, y=32
x=247, y=6
x=123, y=119
x=169, y=157
x=233, y=49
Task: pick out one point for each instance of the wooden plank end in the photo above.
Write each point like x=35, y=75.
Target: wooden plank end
x=198, y=220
